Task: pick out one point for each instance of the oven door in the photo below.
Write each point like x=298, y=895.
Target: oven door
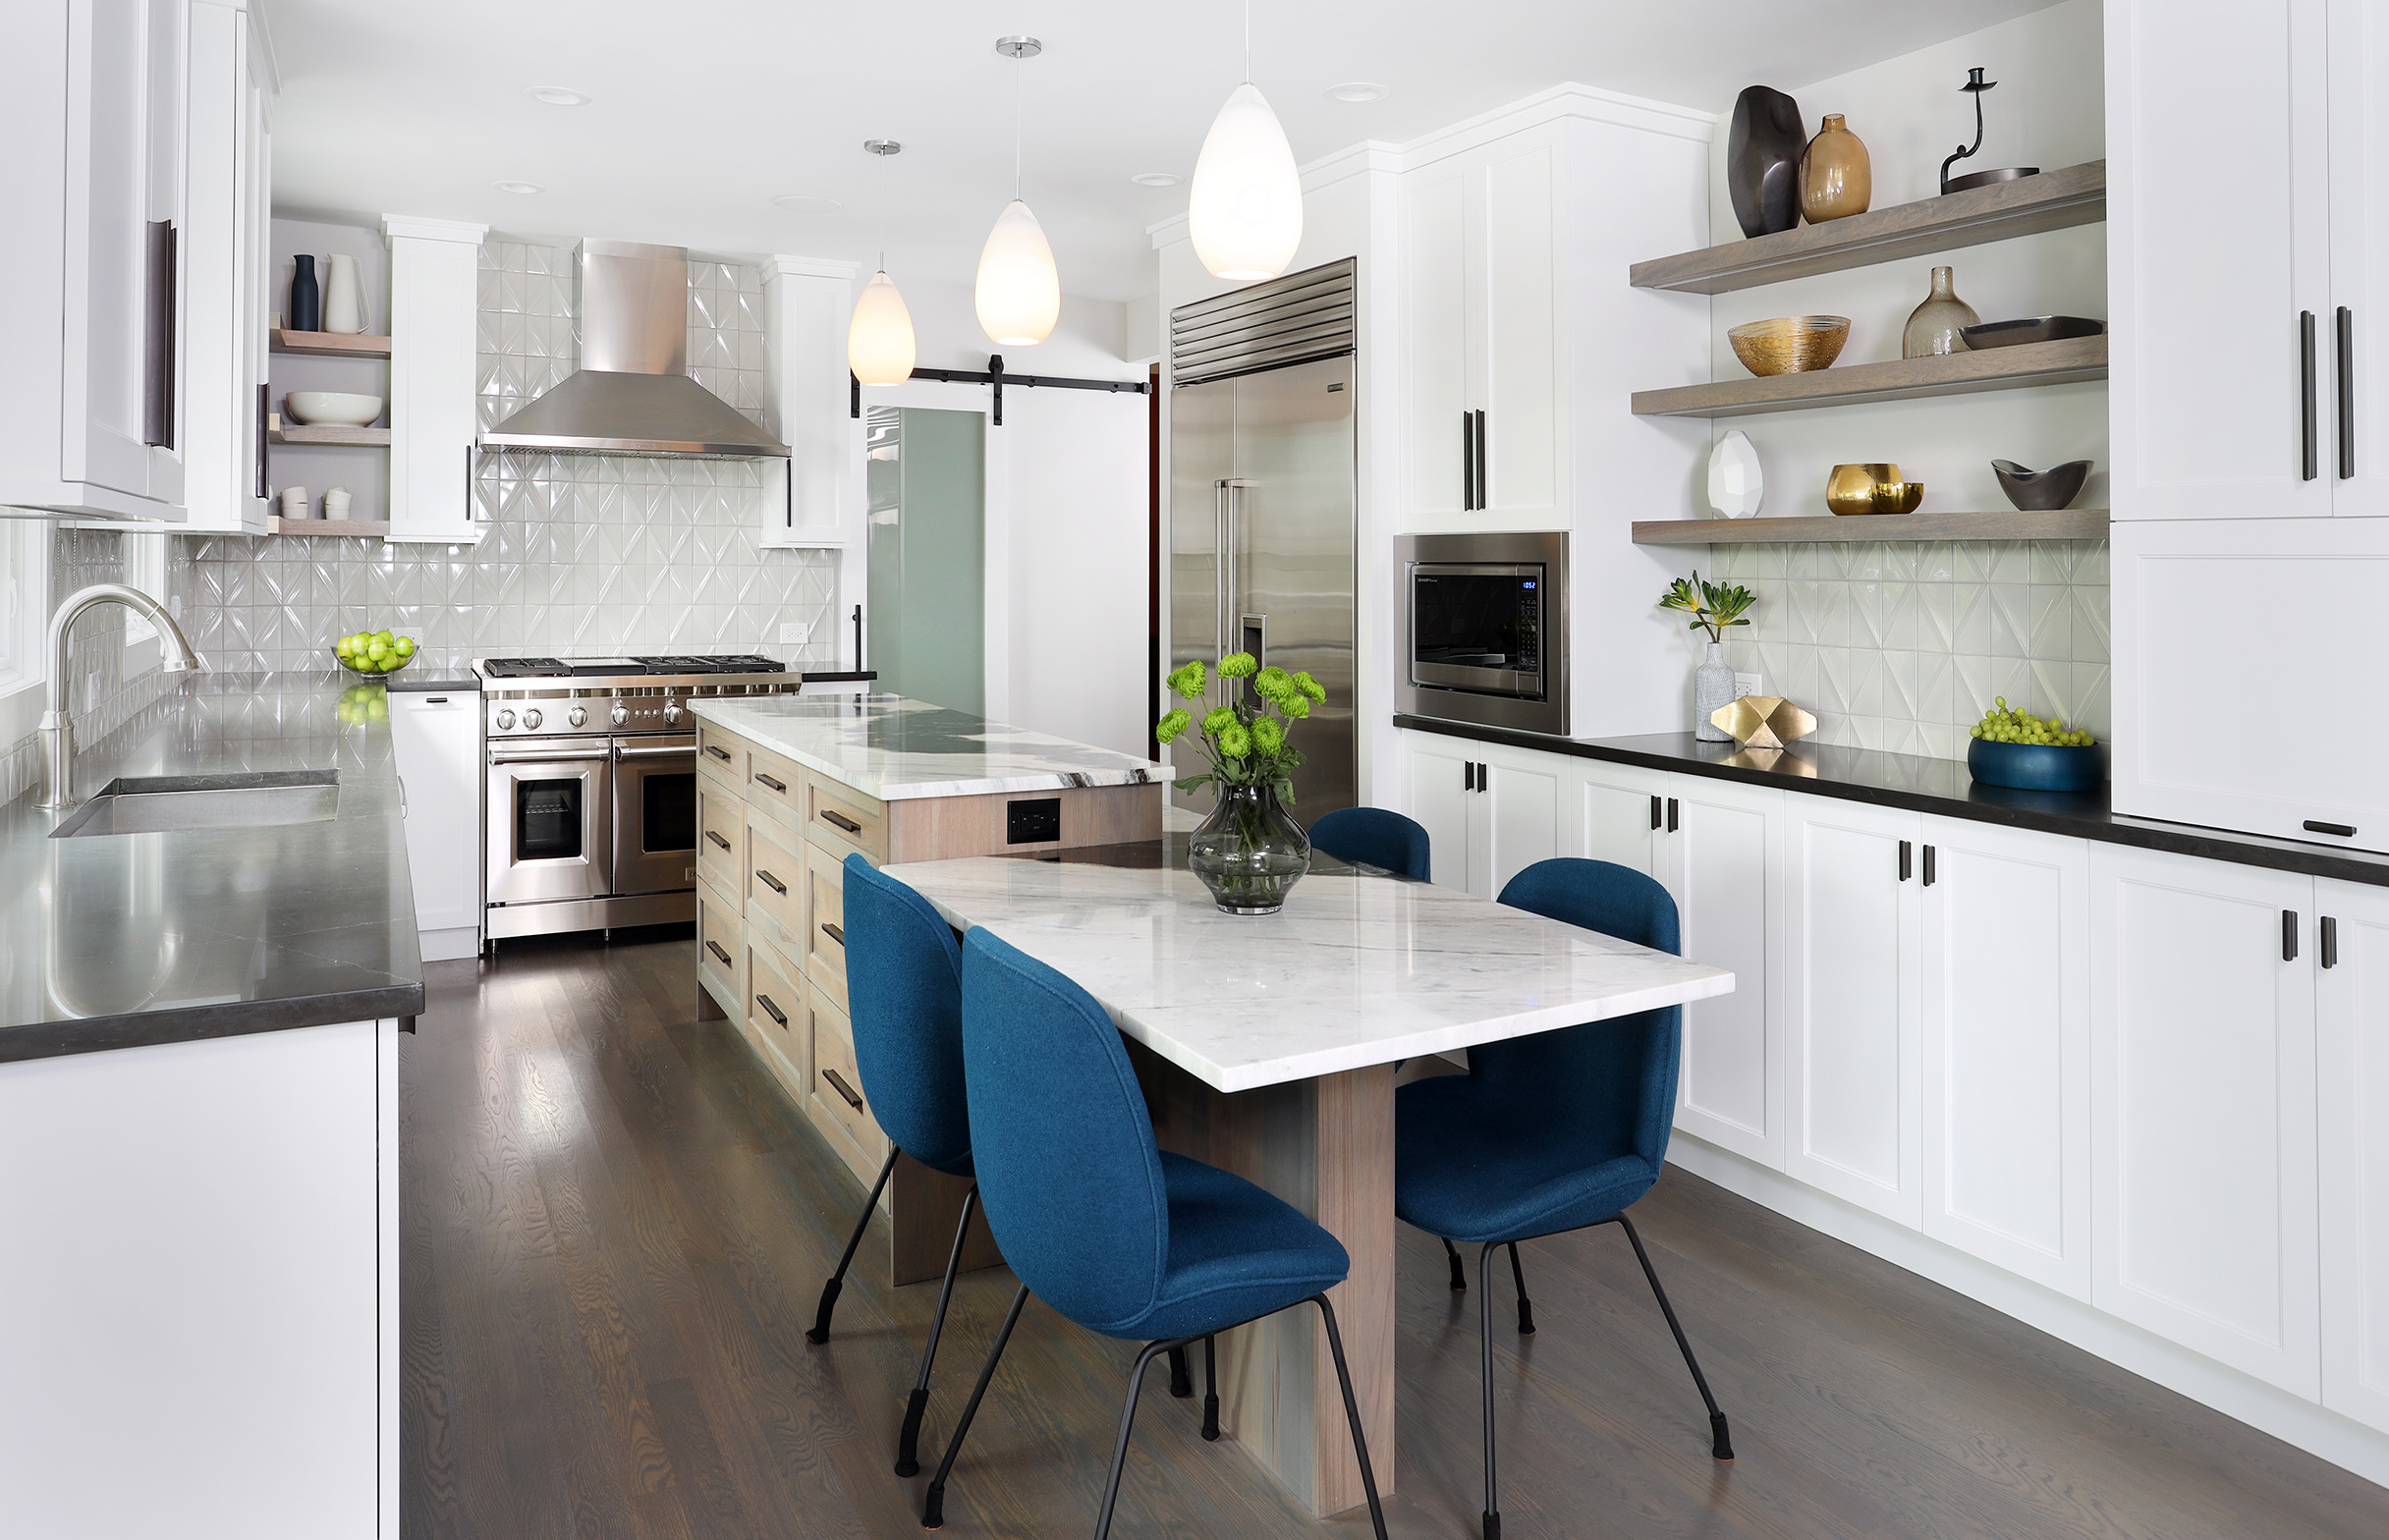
x=655, y=813
x=1478, y=626
x=551, y=817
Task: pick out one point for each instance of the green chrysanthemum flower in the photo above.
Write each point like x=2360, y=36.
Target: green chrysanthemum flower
x=1189, y=678
x=1169, y=726
x=1295, y=708
x=1311, y=686
x=1235, y=741
x=1238, y=665
x=1218, y=717
x=1271, y=678
x=1268, y=734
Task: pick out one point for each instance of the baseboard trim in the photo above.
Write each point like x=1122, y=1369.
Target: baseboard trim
x=446, y=946
x=2318, y=1430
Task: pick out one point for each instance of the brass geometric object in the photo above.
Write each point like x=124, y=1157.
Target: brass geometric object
x=1763, y=721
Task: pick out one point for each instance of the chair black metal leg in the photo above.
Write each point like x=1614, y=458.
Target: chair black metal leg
x=1210, y=1391
x=837, y=1279
x=1459, y=1274
x=1484, y=1324
x=1127, y=1420
x=1526, y=1306
x=1721, y=1443
x=933, y=1507
x=908, y=1440
x=1352, y=1413
x=1182, y=1383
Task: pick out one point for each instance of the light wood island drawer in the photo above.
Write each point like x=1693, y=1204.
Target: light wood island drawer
x=721, y=752
x=776, y=874
x=775, y=786
x=775, y=1015
x=842, y=819
x=720, y=943
x=721, y=832
x=825, y=923
x=839, y=1107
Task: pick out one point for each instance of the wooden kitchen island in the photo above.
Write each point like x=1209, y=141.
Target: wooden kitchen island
x=789, y=787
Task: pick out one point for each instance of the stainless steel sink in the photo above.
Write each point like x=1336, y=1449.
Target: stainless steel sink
x=159, y=804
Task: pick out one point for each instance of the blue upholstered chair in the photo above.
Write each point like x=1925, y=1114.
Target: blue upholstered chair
x=1375, y=837
x=904, y=984
x=1098, y=1221
x=1552, y=1132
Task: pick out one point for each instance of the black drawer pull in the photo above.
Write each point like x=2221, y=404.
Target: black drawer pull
x=715, y=948
x=1674, y=813
x=717, y=839
x=770, y=1010
x=772, y=882
x=1906, y=854
x=718, y=753
x=1654, y=811
x=835, y=932
x=2326, y=936
x=780, y=787
x=837, y=1082
x=2289, y=935
x=2346, y=831
x=841, y=820
x=1929, y=853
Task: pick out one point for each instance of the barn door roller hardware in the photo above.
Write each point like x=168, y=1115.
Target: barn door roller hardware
x=995, y=375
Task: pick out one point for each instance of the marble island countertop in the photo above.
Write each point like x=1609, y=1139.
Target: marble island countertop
x=895, y=749
x=123, y=941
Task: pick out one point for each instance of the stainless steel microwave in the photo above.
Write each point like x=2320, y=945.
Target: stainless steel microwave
x=1486, y=628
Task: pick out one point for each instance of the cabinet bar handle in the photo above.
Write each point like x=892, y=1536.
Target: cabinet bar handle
x=715, y=948
x=159, y=339
x=1467, y=775
x=1930, y=875
x=717, y=839
x=1484, y=776
x=1906, y=854
x=841, y=821
x=2326, y=936
x=770, y=1010
x=2309, y=468
x=837, y=1082
x=1483, y=471
x=718, y=753
x=778, y=786
x=2346, y=831
x=834, y=931
x=771, y=882
x=2345, y=360
x=1654, y=809
x=1468, y=462
x=2289, y=935
x=1673, y=810
x=264, y=444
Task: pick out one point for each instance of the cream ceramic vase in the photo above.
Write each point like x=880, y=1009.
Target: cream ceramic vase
x=344, y=297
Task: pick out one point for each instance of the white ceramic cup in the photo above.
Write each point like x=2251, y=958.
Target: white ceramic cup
x=294, y=502
x=336, y=503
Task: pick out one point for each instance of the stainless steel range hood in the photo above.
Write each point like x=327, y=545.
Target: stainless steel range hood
x=632, y=394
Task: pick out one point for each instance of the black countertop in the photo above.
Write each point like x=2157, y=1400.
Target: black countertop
x=1930, y=786
x=123, y=941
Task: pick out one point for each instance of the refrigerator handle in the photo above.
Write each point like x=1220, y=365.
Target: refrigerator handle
x=1219, y=571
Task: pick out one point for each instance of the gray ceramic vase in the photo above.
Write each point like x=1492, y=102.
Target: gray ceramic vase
x=2041, y=491
x=1762, y=153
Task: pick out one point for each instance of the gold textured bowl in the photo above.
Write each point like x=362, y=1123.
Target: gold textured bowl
x=1790, y=344
x=1897, y=497
x=1851, y=489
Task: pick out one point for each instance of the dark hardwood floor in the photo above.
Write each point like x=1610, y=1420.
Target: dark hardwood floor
x=616, y=1228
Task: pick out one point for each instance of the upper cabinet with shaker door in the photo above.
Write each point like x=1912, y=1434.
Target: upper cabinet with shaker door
x=92, y=291
x=434, y=407
x=226, y=257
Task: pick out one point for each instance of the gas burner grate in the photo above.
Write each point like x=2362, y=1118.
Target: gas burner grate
x=735, y=664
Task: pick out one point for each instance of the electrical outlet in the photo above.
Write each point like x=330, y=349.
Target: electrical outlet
x=1749, y=685
x=795, y=634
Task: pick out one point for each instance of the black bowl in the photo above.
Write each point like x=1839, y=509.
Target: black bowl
x=2029, y=328
x=2040, y=491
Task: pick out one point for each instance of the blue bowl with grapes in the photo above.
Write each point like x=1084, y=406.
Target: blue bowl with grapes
x=2037, y=767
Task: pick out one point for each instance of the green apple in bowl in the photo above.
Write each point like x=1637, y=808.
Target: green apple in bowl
x=375, y=653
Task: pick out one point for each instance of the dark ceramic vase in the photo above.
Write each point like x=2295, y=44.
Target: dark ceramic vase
x=1763, y=154
x=306, y=298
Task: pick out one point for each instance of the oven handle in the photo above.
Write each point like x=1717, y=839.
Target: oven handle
x=621, y=753
x=551, y=759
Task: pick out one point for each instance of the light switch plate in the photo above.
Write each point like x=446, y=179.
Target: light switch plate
x=795, y=634
x=1749, y=685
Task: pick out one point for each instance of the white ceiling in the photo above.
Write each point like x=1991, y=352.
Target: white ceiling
x=704, y=111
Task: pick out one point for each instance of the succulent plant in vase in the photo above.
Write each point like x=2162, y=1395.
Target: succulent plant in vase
x=1714, y=607
x=1249, y=851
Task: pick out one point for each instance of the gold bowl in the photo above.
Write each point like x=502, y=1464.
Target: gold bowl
x=1851, y=489
x=1790, y=344
x=1897, y=497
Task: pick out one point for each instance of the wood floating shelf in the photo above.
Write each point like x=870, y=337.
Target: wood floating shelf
x=1902, y=379
x=2028, y=205
x=329, y=433
x=2072, y=523
x=361, y=529
x=330, y=345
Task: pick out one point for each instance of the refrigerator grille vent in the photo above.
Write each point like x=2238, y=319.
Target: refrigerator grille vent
x=1293, y=319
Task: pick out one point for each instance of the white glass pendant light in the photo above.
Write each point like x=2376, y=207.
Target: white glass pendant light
x=879, y=340
x=1244, y=210
x=1019, y=294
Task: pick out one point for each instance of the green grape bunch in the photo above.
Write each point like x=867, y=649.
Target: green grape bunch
x=2004, y=724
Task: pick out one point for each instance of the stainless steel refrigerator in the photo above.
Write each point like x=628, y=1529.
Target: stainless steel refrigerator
x=1264, y=504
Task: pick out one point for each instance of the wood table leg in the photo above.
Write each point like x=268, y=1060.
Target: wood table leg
x=1327, y=1146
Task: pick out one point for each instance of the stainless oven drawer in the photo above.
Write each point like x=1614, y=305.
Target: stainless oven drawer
x=550, y=821
x=655, y=813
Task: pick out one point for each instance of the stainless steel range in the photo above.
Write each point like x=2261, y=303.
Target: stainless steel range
x=592, y=786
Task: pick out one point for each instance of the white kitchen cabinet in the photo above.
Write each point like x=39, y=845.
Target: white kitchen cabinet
x=2218, y=630
x=92, y=291
x=1853, y=979
x=807, y=307
x=2005, y=1078
x=2203, y=1216
x=434, y=354
x=226, y=255
x=1723, y=859
x=2352, y=1026
x=1439, y=777
x=1620, y=815
x=1489, y=812
x=2357, y=48
x=436, y=737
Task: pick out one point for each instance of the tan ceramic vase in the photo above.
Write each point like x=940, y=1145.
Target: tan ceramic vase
x=1938, y=326
x=1836, y=179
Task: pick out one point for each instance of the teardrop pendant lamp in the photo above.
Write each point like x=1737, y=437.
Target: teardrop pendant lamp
x=879, y=345
x=1245, y=209
x=1019, y=294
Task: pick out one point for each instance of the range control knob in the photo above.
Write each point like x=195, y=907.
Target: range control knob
x=578, y=717
x=620, y=714
x=506, y=721
x=671, y=712
x=531, y=721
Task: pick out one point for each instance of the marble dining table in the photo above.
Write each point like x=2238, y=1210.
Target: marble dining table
x=1267, y=1045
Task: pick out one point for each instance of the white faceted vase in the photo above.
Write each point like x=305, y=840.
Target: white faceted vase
x=1736, y=484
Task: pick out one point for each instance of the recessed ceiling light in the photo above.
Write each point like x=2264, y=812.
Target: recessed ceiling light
x=806, y=203
x=882, y=147
x=1154, y=178
x=560, y=96
x=1356, y=90
x=517, y=187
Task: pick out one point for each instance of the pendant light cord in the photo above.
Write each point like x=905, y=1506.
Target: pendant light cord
x=1017, y=62
x=1247, y=42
